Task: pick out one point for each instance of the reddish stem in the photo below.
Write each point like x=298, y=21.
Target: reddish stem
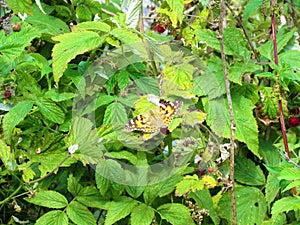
x=283, y=129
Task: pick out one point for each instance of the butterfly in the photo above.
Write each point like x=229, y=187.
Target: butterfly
x=155, y=119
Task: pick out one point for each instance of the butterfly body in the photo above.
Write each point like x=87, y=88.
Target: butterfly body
x=155, y=119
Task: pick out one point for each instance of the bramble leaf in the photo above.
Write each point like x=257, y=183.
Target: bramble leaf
x=51, y=110
x=79, y=214
x=13, y=45
x=49, y=199
x=176, y=214
x=70, y=45
x=119, y=209
x=142, y=215
x=286, y=204
x=54, y=217
x=251, y=206
x=247, y=172
x=15, y=116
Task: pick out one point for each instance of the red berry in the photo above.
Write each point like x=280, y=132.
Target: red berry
x=210, y=170
x=7, y=94
x=294, y=121
x=160, y=29
x=152, y=8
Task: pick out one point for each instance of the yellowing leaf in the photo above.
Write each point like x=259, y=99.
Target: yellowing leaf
x=180, y=75
x=193, y=118
x=189, y=183
x=209, y=181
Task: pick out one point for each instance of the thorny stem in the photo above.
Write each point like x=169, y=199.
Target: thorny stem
x=232, y=125
x=283, y=129
x=51, y=172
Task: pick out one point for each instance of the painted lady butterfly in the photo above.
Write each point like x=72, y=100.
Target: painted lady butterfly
x=155, y=119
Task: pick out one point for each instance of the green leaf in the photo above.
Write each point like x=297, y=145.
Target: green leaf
x=286, y=204
x=90, y=197
x=193, y=118
x=189, y=184
x=115, y=114
x=49, y=160
x=74, y=186
x=204, y=200
x=92, y=26
x=123, y=79
x=208, y=85
x=177, y=7
x=54, y=217
x=246, y=172
x=135, y=191
x=107, y=171
x=250, y=91
x=133, y=13
x=126, y=36
x=122, y=155
x=58, y=97
x=235, y=42
x=209, y=37
x=290, y=58
x=161, y=188
x=51, y=110
x=46, y=24
x=272, y=187
x=176, y=214
x=70, y=45
x=142, y=215
x=251, y=206
x=13, y=45
x=289, y=174
x=83, y=13
x=270, y=106
x=246, y=126
x=104, y=99
x=292, y=185
x=267, y=50
x=28, y=174
x=15, y=116
x=7, y=156
x=237, y=71
x=49, y=199
x=17, y=6
x=146, y=84
x=62, y=12
x=251, y=9
x=80, y=214
x=266, y=74
x=277, y=219
x=120, y=209
x=181, y=75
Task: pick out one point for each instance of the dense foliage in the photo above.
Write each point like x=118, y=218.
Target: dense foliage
x=73, y=73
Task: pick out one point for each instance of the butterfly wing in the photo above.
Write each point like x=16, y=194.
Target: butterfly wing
x=153, y=120
x=167, y=110
x=147, y=122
